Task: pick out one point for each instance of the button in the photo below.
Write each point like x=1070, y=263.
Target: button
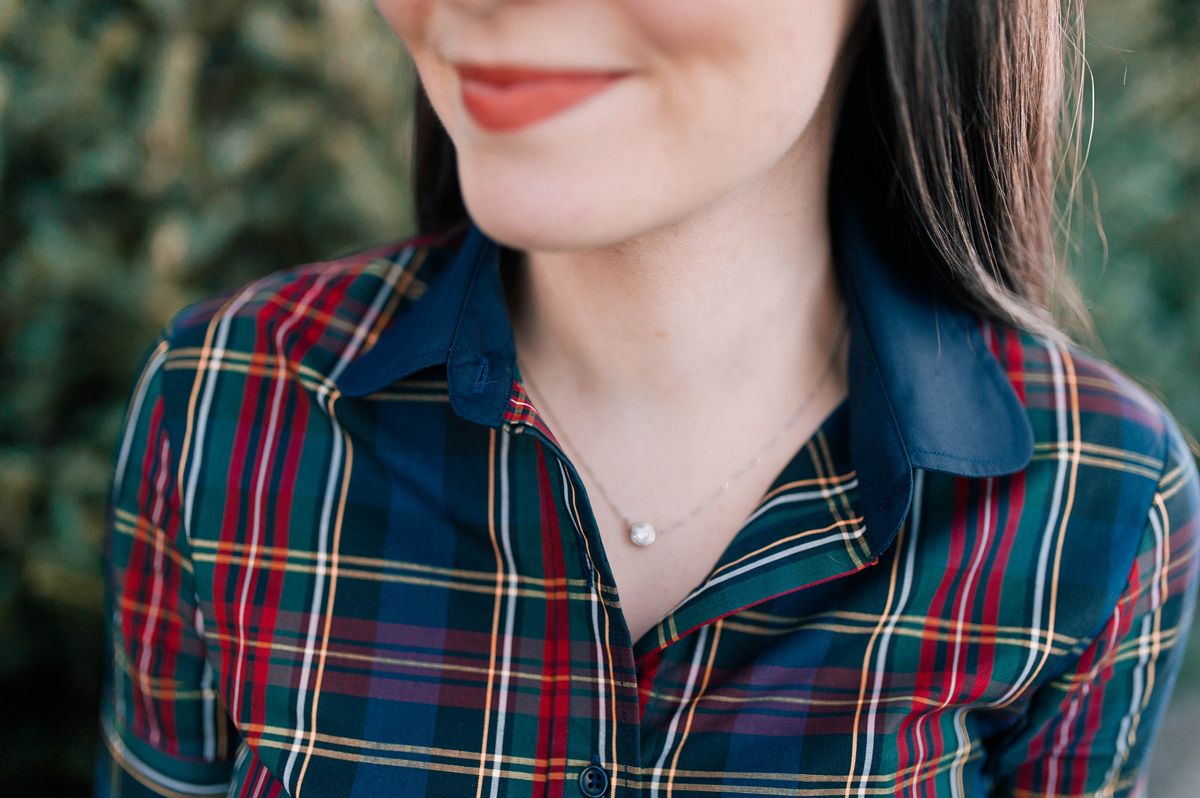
x=593, y=781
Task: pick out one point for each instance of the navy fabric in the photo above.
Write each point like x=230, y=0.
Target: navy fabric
x=924, y=390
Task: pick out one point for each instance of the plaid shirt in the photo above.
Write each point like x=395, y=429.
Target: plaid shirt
x=348, y=558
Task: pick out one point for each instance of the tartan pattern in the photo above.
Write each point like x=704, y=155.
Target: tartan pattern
x=311, y=594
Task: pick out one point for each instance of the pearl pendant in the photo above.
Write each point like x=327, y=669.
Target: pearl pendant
x=642, y=534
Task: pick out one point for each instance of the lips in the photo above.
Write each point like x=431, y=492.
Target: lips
x=510, y=98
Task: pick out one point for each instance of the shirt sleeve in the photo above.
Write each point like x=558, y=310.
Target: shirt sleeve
x=165, y=731
x=1091, y=730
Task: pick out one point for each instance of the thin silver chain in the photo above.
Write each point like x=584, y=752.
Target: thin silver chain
x=720, y=491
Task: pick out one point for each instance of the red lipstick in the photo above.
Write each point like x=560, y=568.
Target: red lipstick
x=507, y=98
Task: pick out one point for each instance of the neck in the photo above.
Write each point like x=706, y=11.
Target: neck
x=742, y=294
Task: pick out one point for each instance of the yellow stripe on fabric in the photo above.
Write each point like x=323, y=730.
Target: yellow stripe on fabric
x=1105, y=385
x=1109, y=452
x=1075, y=438
x=227, y=548
x=856, y=546
x=497, y=593
x=917, y=620
x=403, y=283
x=347, y=467
x=866, y=663
x=347, y=573
x=783, y=542
x=917, y=634
x=1102, y=462
x=821, y=482
x=687, y=726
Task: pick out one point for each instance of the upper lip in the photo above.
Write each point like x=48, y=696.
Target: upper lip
x=507, y=75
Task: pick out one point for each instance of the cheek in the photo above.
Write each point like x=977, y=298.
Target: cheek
x=410, y=19
x=761, y=55
x=729, y=29
x=681, y=25
x=404, y=15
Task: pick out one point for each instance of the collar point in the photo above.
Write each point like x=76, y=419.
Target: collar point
x=983, y=465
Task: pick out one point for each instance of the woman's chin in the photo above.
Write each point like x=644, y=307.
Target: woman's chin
x=527, y=220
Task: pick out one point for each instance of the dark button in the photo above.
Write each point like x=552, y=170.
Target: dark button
x=593, y=781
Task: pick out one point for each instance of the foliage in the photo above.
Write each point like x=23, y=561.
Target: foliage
x=1145, y=165
x=154, y=151
x=151, y=153
x=1138, y=267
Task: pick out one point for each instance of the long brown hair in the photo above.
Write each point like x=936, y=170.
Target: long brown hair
x=974, y=128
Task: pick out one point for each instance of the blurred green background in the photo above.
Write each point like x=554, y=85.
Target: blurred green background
x=154, y=151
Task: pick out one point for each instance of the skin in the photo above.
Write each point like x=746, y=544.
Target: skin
x=676, y=254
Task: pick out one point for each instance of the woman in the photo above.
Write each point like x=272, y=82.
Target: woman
x=720, y=443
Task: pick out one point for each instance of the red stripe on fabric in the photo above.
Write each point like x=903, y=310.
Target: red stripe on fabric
x=736, y=610
x=1117, y=629
x=1013, y=488
x=225, y=588
x=1014, y=362
x=296, y=405
x=283, y=495
x=170, y=612
x=521, y=411
x=1086, y=714
x=281, y=455
x=1043, y=748
x=259, y=782
x=979, y=673
x=929, y=671
x=554, y=706
x=959, y=566
x=154, y=578
x=647, y=670
x=251, y=427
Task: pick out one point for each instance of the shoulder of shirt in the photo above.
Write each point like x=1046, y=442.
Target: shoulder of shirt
x=1122, y=432
x=1109, y=457
x=314, y=318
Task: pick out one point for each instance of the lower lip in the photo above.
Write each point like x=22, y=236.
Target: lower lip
x=503, y=99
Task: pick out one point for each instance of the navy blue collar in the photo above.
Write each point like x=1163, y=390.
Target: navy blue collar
x=925, y=390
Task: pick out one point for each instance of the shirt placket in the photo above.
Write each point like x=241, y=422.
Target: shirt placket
x=593, y=690
x=808, y=530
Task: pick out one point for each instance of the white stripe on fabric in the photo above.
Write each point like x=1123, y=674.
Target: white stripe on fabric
x=208, y=694
x=156, y=593
x=262, y=779
x=779, y=555
x=689, y=686
x=509, y=616
x=914, y=525
x=210, y=387
x=1126, y=733
x=152, y=775
x=335, y=461
x=1035, y=631
x=594, y=600
x=1052, y=520
x=264, y=460
x=135, y=411
x=789, y=498
x=1064, y=730
x=314, y=613
x=368, y=321
x=243, y=751
x=960, y=730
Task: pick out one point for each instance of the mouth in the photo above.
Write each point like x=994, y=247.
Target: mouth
x=505, y=98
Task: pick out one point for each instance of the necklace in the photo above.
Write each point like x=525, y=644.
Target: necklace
x=642, y=533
